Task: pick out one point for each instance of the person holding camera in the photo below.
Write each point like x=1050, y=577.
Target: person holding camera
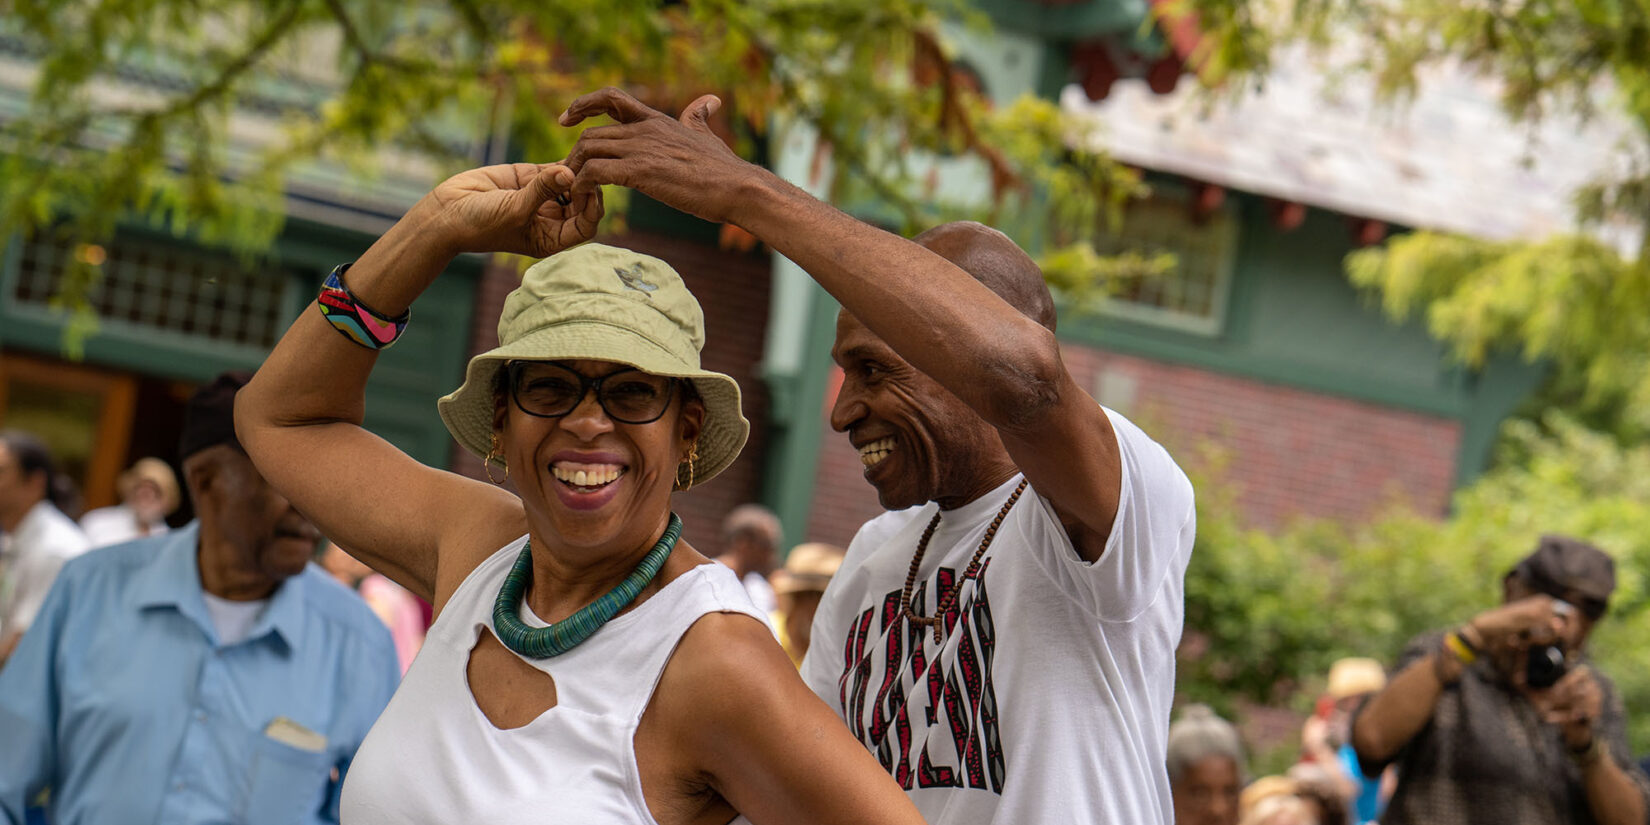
x=1503, y=719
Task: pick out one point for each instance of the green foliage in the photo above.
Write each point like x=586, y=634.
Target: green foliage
x=1569, y=298
x=1267, y=613
x=352, y=87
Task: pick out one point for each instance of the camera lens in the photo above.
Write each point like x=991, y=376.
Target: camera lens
x=1545, y=666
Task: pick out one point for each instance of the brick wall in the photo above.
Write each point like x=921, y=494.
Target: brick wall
x=733, y=288
x=1283, y=452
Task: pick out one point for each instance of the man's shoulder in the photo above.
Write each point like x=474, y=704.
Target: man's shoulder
x=104, y=515
x=874, y=534
x=57, y=534
x=1419, y=645
x=114, y=564
x=1151, y=460
x=1430, y=636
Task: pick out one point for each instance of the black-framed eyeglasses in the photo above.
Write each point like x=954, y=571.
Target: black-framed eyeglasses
x=550, y=390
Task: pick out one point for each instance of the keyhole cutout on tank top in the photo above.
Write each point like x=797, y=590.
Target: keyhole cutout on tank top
x=510, y=692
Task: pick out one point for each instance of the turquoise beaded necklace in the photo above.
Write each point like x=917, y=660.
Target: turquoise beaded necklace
x=544, y=642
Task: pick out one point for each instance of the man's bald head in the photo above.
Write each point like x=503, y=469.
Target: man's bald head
x=997, y=262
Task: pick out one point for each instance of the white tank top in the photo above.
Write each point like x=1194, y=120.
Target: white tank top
x=434, y=757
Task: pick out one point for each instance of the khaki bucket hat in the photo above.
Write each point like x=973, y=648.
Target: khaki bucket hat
x=603, y=303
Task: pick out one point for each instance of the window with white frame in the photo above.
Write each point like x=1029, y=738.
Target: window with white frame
x=1192, y=295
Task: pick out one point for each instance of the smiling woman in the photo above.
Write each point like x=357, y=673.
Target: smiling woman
x=586, y=663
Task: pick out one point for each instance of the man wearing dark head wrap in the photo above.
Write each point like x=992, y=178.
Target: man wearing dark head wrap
x=208, y=674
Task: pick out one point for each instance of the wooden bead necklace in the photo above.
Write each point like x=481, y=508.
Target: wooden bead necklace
x=946, y=600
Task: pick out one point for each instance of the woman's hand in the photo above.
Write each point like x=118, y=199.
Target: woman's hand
x=524, y=208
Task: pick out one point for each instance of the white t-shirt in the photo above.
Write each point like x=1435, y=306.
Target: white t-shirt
x=1048, y=699
x=233, y=620
x=29, y=560
x=113, y=525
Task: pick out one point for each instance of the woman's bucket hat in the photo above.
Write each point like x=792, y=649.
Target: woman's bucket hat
x=603, y=303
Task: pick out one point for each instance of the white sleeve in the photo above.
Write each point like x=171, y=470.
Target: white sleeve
x=823, y=665
x=1151, y=537
x=32, y=581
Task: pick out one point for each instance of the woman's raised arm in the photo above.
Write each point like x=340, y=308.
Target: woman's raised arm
x=300, y=417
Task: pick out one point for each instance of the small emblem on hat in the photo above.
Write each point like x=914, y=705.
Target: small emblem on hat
x=632, y=279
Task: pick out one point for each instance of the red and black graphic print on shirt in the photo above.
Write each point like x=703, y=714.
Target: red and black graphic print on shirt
x=932, y=723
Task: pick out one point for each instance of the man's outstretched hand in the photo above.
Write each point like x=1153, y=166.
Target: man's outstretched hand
x=513, y=207
x=679, y=162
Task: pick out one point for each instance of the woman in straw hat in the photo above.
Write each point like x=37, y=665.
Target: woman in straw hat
x=586, y=664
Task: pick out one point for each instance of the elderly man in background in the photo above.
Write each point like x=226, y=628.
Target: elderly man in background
x=208, y=675
x=750, y=547
x=36, y=538
x=1207, y=768
x=1503, y=720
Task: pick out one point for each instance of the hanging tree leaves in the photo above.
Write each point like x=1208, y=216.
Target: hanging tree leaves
x=199, y=115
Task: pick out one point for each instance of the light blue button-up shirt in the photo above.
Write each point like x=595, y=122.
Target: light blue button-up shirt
x=121, y=700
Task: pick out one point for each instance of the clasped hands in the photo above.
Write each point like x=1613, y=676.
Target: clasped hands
x=540, y=209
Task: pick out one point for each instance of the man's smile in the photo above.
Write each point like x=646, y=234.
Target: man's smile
x=873, y=453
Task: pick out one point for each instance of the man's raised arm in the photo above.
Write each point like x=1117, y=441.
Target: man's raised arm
x=1001, y=363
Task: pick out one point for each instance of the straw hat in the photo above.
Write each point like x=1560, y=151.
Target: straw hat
x=809, y=567
x=1355, y=676
x=1265, y=788
x=603, y=303
x=156, y=472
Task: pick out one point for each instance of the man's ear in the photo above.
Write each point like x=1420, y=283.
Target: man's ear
x=200, y=472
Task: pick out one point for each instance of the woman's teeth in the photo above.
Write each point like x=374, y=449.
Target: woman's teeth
x=586, y=475
x=874, y=452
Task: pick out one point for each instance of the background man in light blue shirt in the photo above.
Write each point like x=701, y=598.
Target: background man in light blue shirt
x=208, y=675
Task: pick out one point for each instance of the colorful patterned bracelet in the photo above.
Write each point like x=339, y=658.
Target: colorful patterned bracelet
x=355, y=320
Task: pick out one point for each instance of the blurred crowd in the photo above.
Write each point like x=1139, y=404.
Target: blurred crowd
x=1495, y=690
x=39, y=531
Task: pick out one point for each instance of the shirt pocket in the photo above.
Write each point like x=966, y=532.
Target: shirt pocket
x=288, y=784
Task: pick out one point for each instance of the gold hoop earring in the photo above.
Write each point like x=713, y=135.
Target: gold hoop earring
x=495, y=454
x=693, y=453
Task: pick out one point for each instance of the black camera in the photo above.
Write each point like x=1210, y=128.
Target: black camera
x=1545, y=666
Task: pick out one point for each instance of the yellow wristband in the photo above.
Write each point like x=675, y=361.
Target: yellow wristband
x=1460, y=648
